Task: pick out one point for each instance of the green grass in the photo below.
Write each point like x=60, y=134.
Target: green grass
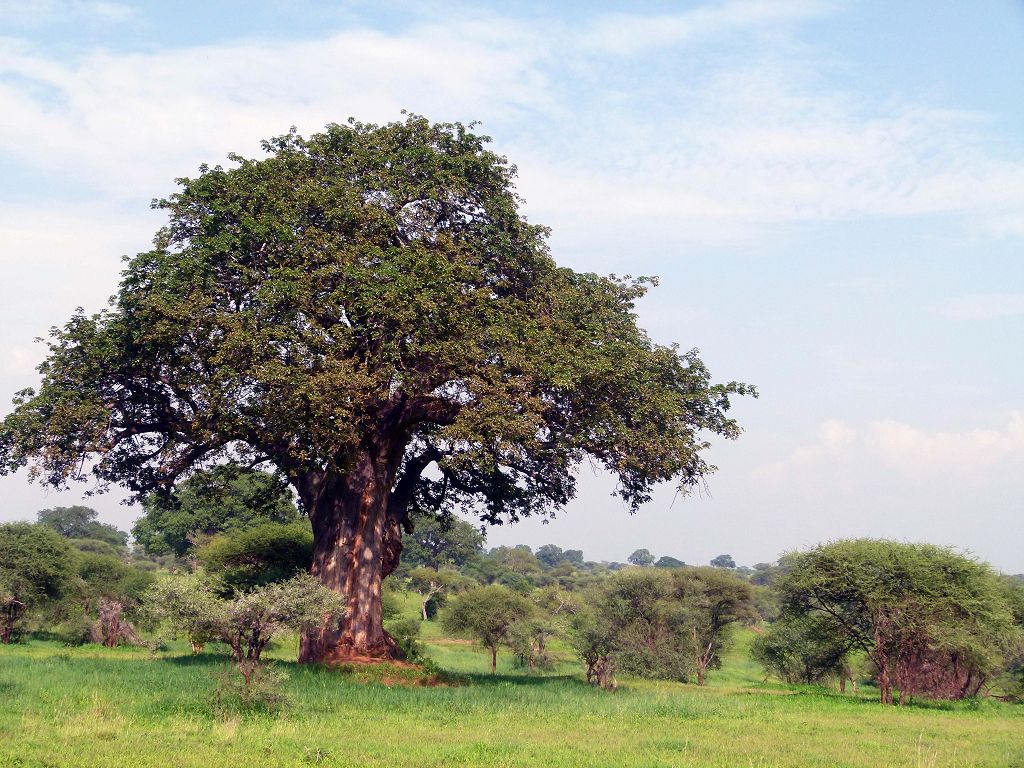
x=95, y=707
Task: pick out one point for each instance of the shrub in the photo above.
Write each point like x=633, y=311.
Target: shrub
x=261, y=693
x=246, y=623
x=262, y=554
x=405, y=631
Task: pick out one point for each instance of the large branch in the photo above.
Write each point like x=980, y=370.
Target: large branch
x=405, y=488
x=431, y=409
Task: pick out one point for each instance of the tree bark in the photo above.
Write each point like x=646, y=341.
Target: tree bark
x=494, y=660
x=356, y=543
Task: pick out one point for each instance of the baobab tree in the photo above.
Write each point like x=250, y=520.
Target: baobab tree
x=367, y=312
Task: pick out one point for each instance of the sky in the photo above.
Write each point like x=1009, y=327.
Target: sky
x=831, y=192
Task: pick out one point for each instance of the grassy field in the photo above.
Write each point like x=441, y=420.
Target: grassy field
x=93, y=707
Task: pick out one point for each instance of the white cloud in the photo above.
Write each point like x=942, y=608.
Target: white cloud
x=893, y=452
x=711, y=158
x=970, y=455
x=833, y=438
x=128, y=123
x=988, y=306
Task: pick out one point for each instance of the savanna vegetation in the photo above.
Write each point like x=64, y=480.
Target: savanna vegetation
x=332, y=360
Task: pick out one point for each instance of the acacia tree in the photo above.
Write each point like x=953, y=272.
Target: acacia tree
x=357, y=307
x=715, y=600
x=489, y=614
x=930, y=620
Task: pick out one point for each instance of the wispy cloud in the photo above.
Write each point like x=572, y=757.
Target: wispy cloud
x=625, y=33
x=989, y=306
x=742, y=147
x=37, y=13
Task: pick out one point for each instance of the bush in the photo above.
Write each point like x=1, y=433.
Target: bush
x=801, y=651
x=405, y=632
x=263, y=554
x=77, y=630
x=263, y=693
x=248, y=622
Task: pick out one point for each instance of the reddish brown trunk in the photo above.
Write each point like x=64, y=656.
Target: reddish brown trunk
x=12, y=611
x=355, y=545
x=881, y=659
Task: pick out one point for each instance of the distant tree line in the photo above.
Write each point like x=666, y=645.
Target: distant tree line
x=223, y=559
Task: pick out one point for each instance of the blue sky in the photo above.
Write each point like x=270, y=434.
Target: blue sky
x=831, y=192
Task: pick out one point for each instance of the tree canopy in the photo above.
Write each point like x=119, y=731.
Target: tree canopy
x=80, y=522
x=436, y=542
x=223, y=498
x=265, y=553
x=641, y=557
x=723, y=561
x=354, y=308
x=36, y=564
x=930, y=620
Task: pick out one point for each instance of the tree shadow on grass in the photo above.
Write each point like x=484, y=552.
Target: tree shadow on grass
x=487, y=679
x=200, y=660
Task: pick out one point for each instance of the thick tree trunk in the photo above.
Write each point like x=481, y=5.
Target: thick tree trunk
x=356, y=544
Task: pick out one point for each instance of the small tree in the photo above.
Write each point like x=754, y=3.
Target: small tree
x=662, y=624
x=649, y=634
x=247, y=622
x=594, y=642
x=488, y=614
x=36, y=565
x=431, y=584
x=723, y=561
x=714, y=601
x=641, y=557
